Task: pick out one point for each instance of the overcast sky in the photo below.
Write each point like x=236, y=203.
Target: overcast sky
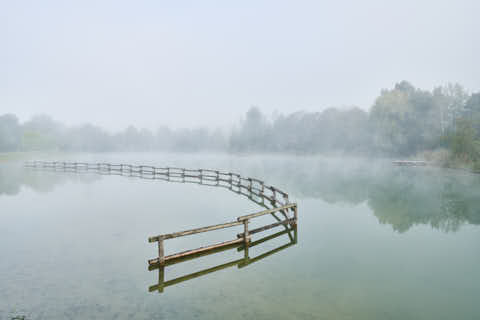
x=196, y=63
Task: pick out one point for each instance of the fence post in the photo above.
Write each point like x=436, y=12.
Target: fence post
x=295, y=215
x=161, y=253
x=161, y=278
x=245, y=232
x=245, y=255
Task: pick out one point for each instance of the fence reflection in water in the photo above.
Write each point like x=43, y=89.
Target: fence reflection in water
x=292, y=233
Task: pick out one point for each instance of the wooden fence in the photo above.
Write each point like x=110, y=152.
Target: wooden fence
x=239, y=263
x=271, y=198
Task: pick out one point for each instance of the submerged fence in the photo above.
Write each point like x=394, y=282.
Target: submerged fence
x=271, y=198
x=239, y=263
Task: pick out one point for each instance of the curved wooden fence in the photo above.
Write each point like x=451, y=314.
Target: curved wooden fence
x=271, y=198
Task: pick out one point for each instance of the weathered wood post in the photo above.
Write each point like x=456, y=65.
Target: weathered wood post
x=295, y=215
x=245, y=232
x=161, y=252
x=245, y=254
x=161, y=278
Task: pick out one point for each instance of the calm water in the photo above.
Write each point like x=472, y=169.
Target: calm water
x=374, y=242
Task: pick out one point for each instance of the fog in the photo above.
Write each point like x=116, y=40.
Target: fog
x=346, y=131
x=442, y=126
x=399, y=197
x=204, y=64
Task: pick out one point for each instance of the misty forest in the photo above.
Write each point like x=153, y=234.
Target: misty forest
x=250, y=160
x=442, y=125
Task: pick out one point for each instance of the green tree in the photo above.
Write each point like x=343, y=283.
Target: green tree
x=463, y=142
x=472, y=111
x=403, y=120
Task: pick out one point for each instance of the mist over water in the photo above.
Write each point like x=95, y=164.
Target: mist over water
x=373, y=241
x=367, y=113
x=401, y=197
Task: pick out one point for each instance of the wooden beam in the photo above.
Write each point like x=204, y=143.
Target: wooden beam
x=261, y=213
x=194, y=231
x=270, y=226
x=194, y=256
x=195, y=251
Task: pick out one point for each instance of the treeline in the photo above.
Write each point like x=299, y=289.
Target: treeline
x=43, y=133
x=404, y=121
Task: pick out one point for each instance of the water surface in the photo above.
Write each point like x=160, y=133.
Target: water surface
x=374, y=242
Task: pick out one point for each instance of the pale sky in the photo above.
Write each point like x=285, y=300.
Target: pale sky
x=204, y=63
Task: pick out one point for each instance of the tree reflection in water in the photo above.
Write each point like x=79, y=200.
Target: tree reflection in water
x=401, y=197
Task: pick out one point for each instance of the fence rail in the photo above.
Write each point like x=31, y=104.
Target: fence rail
x=255, y=189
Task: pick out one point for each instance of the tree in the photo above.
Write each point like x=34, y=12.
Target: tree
x=449, y=102
x=472, y=111
x=253, y=134
x=43, y=133
x=10, y=133
x=463, y=143
x=403, y=120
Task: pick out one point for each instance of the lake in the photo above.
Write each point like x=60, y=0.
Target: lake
x=373, y=242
